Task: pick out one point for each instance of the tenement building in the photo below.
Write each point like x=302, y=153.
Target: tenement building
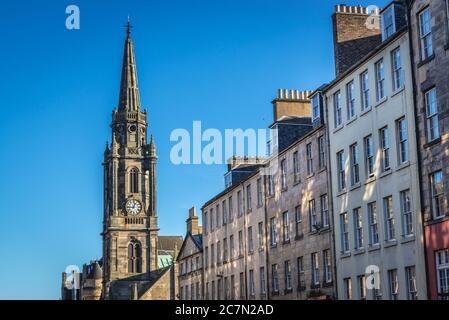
x=234, y=235
x=268, y=234
x=429, y=35
x=299, y=241
x=190, y=261
x=374, y=163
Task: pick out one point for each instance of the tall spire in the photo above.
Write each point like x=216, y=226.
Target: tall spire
x=129, y=91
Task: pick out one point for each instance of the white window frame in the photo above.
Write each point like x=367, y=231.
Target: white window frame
x=341, y=172
x=425, y=35
x=263, y=288
x=410, y=276
x=284, y=174
x=338, y=114
x=433, y=127
x=350, y=100
x=380, y=80
x=315, y=269
x=250, y=240
x=402, y=137
x=390, y=26
x=324, y=203
x=344, y=232
x=296, y=168
x=437, y=198
x=442, y=271
x=312, y=215
x=406, y=212
x=321, y=152
x=373, y=223
x=298, y=221
x=259, y=192
x=369, y=155
x=285, y=227
x=315, y=107
x=365, y=92
x=348, y=288
x=390, y=232
x=397, y=71
x=309, y=156
x=355, y=166
x=384, y=139
x=358, y=228
x=288, y=275
x=393, y=284
x=327, y=266
x=273, y=231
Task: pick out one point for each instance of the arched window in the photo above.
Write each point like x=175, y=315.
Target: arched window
x=134, y=181
x=134, y=257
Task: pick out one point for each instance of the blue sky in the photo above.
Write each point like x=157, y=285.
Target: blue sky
x=220, y=62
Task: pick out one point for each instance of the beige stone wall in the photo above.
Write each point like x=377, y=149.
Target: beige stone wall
x=403, y=251
x=299, y=192
x=239, y=263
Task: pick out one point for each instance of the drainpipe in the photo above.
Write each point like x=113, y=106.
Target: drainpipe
x=415, y=103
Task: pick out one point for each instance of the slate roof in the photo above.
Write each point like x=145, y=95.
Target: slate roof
x=168, y=243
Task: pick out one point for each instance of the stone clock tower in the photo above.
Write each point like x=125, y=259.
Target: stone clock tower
x=130, y=228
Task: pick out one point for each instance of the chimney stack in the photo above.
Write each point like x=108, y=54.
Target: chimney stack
x=192, y=222
x=291, y=103
x=356, y=32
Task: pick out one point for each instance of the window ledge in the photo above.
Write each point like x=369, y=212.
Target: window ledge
x=398, y=91
x=297, y=182
x=403, y=166
x=437, y=220
x=356, y=186
x=359, y=251
x=338, y=128
x=370, y=180
x=374, y=247
x=344, y=255
x=354, y=118
x=426, y=61
x=407, y=239
x=273, y=245
x=285, y=189
x=432, y=143
x=386, y=173
x=342, y=192
x=288, y=291
x=311, y=175
x=367, y=110
x=320, y=170
x=381, y=101
x=390, y=243
x=286, y=242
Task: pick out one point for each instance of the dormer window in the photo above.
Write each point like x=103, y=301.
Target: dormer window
x=315, y=107
x=388, y=23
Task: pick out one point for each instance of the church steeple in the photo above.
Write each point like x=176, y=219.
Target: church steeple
x=129, y=91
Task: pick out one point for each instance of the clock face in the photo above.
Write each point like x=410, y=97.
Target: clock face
x=133, y=207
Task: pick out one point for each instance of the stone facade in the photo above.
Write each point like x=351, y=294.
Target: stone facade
x=431, y=80
x=190, y=261
x=240, y=256
x=374, y=174
x=232, y=252
x=293, y=235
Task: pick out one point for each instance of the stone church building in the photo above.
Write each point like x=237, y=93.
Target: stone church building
x=137, y=263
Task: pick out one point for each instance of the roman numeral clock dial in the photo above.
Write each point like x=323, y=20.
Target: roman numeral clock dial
x=133, y=207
